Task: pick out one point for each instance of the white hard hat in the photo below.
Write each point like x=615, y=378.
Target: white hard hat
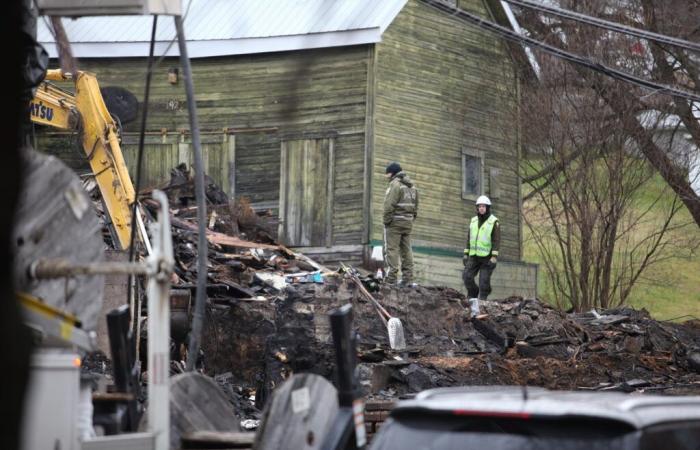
x=483, y=200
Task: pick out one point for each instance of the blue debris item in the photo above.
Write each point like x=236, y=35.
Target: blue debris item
x=313, y=277
x=316, y=277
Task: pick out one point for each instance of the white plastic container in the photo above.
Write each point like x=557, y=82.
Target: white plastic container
x=51, y=405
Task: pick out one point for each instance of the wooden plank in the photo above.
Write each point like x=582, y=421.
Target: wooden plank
x=307, y=195
x=283, y=193
x=183, y=153
x=220, y=238
x=230, y=184
x=369, y=143
x=294, y=190
x=330, y=193
x=217, y=439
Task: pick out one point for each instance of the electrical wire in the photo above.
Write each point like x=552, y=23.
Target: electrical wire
x=565, y=55
x=202, y=244
x=139, y=170
x=607, y=24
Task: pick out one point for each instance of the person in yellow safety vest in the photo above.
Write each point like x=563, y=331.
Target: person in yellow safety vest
x=400, y=211
x=481, y=252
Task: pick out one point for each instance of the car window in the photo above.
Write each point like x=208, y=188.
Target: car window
x=448, y=433
x=676, y=436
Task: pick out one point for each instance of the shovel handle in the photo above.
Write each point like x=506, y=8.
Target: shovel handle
x=369, y=296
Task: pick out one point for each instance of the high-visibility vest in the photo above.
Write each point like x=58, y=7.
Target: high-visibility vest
x=480, y=237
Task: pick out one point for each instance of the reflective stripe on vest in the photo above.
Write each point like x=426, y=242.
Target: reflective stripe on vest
x=480, y=238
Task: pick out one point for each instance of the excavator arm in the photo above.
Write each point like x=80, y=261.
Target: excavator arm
x=86, y=111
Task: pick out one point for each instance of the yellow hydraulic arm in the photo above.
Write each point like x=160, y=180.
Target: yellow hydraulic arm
x=86, y=111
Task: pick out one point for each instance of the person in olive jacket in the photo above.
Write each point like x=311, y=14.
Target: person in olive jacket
x=400, y=210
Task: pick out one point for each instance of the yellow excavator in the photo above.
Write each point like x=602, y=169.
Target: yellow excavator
x=85, y=111
x=60, y=269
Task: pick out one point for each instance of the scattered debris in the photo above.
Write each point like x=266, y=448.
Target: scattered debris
x=268, y=319
x=520, y=342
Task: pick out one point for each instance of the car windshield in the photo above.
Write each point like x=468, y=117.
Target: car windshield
x=447, y=433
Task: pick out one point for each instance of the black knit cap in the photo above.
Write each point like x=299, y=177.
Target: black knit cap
x=393, y=168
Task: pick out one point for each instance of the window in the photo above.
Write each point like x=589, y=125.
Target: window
x=472, y=168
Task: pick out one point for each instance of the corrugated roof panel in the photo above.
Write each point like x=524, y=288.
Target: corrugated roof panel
x=236, y=19
x=228, y=27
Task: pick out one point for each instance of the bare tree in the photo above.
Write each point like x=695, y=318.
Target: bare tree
x=657, y=62
x=595, y=235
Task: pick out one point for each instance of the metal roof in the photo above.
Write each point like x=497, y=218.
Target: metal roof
x=638, y=411
x=231, y=27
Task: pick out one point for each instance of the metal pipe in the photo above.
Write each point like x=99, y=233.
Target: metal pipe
x=161, y=261
x=44, y=269
x=200, y=298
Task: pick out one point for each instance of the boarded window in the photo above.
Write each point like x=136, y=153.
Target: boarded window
x=471, y=175
x=306, y=186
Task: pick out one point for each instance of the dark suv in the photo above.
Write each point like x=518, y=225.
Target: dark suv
x=517, y=418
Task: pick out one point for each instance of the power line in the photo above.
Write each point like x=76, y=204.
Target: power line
x=509, y=34
x=607, y=24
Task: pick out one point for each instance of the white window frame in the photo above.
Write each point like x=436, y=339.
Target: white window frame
x=480, y=188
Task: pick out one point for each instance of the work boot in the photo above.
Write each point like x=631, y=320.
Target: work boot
x=474, y=306
x=407, y=283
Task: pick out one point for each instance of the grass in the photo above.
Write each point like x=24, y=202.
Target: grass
x=678, y=298
x=670, y=289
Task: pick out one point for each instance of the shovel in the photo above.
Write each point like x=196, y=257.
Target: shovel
x=397, y=340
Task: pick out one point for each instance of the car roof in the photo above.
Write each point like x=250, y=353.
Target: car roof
x=639, y=411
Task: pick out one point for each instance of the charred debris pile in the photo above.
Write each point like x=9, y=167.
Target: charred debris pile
x=515, y=342
x=267, y=318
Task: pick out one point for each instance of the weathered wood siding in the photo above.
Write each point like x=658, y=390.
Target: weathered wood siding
x=305, y=184
x=161, y=154
x=268, y=98
x=442, y=87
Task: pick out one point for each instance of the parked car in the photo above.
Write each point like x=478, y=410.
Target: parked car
x=510, y=418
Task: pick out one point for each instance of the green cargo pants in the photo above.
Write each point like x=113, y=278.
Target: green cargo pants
x=397, y=243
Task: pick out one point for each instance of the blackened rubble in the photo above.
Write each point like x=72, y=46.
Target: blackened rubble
x=536, y=344
x=267, y=318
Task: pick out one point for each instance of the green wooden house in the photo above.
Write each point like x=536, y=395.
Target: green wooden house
x=303, y=103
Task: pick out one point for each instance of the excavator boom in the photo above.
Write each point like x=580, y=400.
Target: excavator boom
x=86, y=111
